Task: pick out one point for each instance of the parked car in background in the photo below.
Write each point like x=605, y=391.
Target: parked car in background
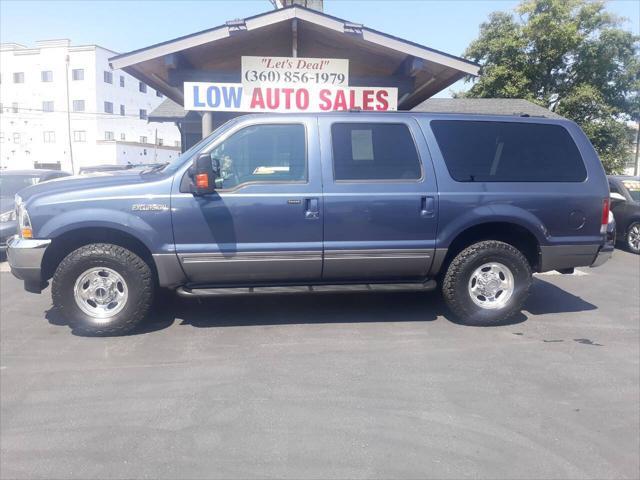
x=315, y=203
x=11, y=182
x=625, y=205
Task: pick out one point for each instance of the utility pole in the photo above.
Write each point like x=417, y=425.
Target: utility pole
x=73, y=170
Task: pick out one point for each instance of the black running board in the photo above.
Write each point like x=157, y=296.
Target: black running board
x=364, y=287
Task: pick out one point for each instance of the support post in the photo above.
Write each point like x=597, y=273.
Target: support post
x=294, y=38
x=207, y=123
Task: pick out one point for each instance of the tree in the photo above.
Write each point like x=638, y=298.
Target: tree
x=570, y=56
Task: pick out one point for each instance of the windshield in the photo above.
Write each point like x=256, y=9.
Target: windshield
x=12, y=184
x=175, y=164
x=633, y=187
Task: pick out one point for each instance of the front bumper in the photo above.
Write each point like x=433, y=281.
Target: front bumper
x=25, y=258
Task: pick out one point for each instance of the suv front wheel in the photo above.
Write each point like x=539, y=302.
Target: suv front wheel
x=102, y=289
x=487, y=283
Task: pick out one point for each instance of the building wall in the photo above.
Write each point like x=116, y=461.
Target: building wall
x=31, y=135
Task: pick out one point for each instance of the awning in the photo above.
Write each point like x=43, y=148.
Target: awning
x=376, y=59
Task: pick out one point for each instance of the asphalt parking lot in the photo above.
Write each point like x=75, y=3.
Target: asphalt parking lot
x=333, y=386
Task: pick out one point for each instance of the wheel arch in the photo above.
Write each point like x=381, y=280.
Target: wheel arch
x=515, y=234
x=72, y=239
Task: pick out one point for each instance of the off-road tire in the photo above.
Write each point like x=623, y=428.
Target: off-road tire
x=627, y=243
x=456, y=281
x=135, y=271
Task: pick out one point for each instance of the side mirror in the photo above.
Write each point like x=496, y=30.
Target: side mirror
x=614, y=196
x=203, y=175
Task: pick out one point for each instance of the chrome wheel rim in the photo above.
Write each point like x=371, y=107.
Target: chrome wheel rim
x=101, y=293
x=491, y=285
x=633, y=237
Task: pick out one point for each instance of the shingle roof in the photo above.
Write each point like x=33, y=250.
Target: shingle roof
x=168, y=110
x=485, y=106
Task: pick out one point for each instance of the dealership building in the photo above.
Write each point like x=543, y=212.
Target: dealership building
x=393, y=72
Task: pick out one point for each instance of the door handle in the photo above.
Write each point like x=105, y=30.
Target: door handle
x=311, y=211
x=427, y=206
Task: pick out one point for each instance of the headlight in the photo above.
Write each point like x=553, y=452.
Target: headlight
x=8, y=216
x=24, y=222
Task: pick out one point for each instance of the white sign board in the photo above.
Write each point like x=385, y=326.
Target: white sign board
x=284, y=84
x=234, y=97
x=286, y=71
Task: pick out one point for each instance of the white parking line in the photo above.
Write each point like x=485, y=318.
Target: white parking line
x=576, y=273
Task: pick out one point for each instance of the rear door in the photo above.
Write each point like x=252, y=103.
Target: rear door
x=380, y=198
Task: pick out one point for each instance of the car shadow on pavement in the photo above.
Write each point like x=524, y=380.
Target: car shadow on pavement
x=291, y=309
x=545, y=298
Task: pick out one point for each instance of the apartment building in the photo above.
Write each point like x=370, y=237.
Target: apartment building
x=63, y=107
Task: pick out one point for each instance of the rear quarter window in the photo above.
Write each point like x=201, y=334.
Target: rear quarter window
x=483, y=151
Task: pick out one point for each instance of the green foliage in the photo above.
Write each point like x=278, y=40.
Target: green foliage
x=570, y=56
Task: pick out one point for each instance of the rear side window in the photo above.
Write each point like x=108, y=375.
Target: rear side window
x=508, y=152
x=374, y=151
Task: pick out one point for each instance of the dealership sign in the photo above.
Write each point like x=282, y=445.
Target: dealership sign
x=282, y=84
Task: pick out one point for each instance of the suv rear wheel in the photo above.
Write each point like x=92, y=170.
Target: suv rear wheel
x=487, y=283
x=103, y=289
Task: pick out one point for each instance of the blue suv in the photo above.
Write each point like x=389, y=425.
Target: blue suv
x=316, y=203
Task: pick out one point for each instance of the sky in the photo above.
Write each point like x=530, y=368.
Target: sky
x=122, y=26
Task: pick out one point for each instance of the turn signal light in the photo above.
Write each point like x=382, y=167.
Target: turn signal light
x=26, y=232
x=202, y=180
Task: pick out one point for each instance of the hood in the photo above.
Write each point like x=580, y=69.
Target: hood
x=86, y=182
x=6, y=204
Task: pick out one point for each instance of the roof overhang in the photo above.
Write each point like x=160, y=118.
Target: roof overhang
x=375, y=57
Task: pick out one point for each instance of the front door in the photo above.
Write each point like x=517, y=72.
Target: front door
x=263, y=224
x=380, y=199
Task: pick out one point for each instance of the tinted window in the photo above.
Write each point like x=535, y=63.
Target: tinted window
x=508, y=152
x=271, y=153
x=374, y=151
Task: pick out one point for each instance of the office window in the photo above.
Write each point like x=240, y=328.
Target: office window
x=122, y=80
x=14, y=107
x=123, y=137
x=49, y=137
x=122, y=110
x=108, y=77
x=263, y=153
x=374, y=151
x=160, y=142
x=480, y=151
x=18, y=77
x=79, y=136
x=142, y=87
x=143, y=139
x=46, y=76
x=108, y=135
x=47, y=106
x=158, y=94
x=16, y=137
x=143, y=114
x=77, y=74
x=108, y=107
x=78, y=105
